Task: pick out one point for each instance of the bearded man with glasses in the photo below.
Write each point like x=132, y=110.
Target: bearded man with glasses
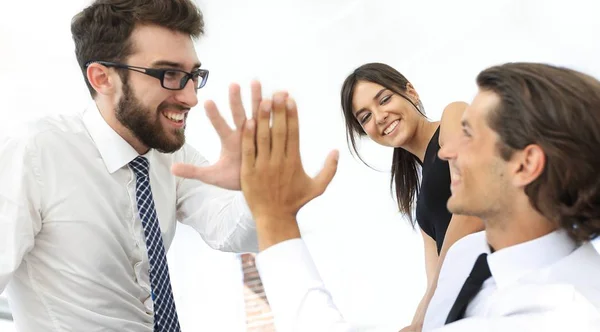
x=89, y=203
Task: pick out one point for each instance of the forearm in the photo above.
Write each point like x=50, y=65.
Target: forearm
x=297, y=295
x=431, y=256
x=222, y=219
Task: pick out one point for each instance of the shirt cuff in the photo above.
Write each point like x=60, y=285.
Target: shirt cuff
x=287, y=260
x=288, y=274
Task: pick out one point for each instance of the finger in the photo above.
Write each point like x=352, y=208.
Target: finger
x=293, y=133
x=324, y=177
x=263, y=132
x=284, y=93
x=279, y=129
x=220, y=125
x=236, y=105
x=248, y=147
x=256, y=97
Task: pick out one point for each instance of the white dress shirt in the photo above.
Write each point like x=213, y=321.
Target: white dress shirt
x=72, y=246
x=547, y=284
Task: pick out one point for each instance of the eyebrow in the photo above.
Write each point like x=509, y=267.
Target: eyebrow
x=166, y=63
x=374, y=98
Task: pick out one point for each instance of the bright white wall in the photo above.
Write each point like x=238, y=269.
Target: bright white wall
x=367, y=254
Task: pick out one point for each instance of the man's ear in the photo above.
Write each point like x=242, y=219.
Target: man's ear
x=529, y=164
x=100, y=79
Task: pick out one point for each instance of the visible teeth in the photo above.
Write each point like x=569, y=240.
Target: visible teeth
x=391, y=127
x=174, y=116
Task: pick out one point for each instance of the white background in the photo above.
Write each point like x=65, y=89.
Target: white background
x=368, y=255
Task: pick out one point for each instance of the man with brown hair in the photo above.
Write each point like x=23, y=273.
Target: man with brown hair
x=526, y=163
x=88, y=203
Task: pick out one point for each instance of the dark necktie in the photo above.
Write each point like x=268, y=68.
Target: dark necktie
x=479, y=273
x=165, y=314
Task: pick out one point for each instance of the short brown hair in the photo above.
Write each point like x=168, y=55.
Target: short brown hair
x=102, y=31
x=558, y=109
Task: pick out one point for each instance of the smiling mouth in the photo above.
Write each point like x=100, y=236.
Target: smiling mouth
x=454, y=178
x=391, y=127
x=177, y=117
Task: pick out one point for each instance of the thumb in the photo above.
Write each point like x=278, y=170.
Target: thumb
x=325, y=176
x=188, y=171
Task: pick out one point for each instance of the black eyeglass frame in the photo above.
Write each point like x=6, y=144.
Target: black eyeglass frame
x=160, y=74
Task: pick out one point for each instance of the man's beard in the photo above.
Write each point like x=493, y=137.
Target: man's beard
x=145, y=124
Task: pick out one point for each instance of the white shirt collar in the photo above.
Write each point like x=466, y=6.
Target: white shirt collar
x=510, y=264
x=114, y=150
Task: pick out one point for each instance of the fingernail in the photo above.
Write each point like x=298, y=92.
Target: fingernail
x=266, y=107
x=289, y=103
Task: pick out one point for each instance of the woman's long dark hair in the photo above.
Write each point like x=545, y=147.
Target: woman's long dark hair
x=405, y=165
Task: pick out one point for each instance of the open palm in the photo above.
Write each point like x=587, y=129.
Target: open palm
x=225, y=173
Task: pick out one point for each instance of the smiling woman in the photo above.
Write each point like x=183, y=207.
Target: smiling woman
x=379, y=102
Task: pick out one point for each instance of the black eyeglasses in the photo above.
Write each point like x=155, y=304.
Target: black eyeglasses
x=170, y=79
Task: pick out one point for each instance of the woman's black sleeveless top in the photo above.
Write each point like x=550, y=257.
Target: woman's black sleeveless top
x=432, y=214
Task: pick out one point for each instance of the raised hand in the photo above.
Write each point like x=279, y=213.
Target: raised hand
x=273, y=179
x=225, y=172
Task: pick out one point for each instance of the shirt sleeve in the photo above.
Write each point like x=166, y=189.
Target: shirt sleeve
x=220, y=216
x=297, y=296
x=20, y=217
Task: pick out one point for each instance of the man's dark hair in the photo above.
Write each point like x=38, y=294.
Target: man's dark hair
x=102, y=31
x=559, y=110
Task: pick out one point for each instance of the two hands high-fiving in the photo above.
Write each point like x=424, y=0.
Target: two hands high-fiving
x=262, y=158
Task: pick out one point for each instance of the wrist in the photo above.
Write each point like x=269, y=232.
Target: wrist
x=272, y=229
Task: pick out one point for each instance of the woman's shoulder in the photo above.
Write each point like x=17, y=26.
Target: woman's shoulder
x=450, y=122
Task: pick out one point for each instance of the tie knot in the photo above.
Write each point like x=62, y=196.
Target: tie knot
x=140, y=166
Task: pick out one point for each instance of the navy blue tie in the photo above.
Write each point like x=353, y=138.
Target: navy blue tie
x=480, y=273
x=165, y=314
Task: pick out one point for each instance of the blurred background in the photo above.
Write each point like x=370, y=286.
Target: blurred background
x=368, y=255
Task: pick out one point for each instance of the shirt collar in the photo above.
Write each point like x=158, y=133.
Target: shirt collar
x=114, y=150
x=510, y=264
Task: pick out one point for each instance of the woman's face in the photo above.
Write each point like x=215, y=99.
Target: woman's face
x=387, y=118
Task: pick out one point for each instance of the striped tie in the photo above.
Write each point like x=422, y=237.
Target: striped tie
x=165, y=314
